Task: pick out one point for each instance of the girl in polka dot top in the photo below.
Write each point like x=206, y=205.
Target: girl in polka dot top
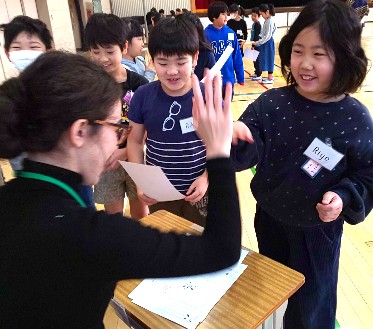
x=313, y=151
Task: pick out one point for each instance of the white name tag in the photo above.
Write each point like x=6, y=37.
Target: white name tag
x=186, y=125
x=239, y=32
x=323, y=154
x=230, y=36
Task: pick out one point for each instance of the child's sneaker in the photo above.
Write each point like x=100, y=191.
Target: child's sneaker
x=256, y=79
x=253, y=75
x=267, y=81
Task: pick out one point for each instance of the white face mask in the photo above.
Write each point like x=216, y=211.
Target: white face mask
x=23, y=58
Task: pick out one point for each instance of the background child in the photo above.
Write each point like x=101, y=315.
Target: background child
x=206, y=58
x=26, y=39
x=267, y=44
x=255, y=32
x=303, y=202
x=238, y=24
x=164, y=109
x=220, y=36
x=105, y=35
x=132, y=58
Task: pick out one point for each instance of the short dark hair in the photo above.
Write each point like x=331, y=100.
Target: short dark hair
x=264, y=7
x=173, y=36
x=215, y=9
x=203, y=44
x=340, y=31
x=235, y=7
x=156, y=17
x=105, y=29
x=134, y=29
x=29, y=25
x=47, y=97
x=255, y=10
x=161, y=11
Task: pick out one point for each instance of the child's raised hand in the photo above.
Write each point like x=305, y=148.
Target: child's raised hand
x=198, y=188
x=213, y=123
x=330, y=207
x=242, y=132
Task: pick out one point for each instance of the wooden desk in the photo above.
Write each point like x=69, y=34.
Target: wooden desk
x=259, y=291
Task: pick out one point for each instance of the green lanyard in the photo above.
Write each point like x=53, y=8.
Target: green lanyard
x=45, y=178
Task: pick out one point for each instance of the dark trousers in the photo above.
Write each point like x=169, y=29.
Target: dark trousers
x=313, y=252
x=258, y=72
x=223, y=91
x=180, y=208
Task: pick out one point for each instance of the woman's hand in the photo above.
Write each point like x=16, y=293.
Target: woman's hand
x=212, y=121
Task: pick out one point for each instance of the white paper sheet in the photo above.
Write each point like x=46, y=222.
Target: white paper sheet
x=186, y=300
x=152, y=181
x=220, y=62
x=251, y=54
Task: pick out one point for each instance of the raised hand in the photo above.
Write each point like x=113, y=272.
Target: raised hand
x=213, y=122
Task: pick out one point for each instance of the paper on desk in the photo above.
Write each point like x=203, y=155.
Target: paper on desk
x=186, y=300
x=152, y=181
x=251, y=54
x=220, y=62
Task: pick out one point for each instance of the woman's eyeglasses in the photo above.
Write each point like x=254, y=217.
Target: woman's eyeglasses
x=122, y=130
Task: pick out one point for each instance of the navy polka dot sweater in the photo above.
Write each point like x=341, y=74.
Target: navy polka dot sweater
x=284, y=124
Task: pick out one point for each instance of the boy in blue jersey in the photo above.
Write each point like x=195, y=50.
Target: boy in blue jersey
x=220, y=36
x=163, y=109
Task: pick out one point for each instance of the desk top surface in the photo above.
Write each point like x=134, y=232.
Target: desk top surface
x=257, y=293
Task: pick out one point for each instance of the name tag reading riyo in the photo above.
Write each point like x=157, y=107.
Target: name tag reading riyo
x=323, y=154
x=186, y=125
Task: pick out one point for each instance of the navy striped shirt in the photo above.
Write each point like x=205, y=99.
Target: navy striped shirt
x=169, y=144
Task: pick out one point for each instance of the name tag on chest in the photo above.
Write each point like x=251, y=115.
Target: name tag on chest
x=186, y=125
x=323, y=154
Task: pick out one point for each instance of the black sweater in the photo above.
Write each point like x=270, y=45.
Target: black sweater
x=60, y=262
x=284, y=124
x=239, y=27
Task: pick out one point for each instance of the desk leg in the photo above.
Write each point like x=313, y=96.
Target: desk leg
x=274, y=321
x=121, y=313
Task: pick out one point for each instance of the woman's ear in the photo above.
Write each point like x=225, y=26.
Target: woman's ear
x=78, y=132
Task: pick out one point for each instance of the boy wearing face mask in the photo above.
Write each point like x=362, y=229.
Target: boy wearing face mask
x=25, y=39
